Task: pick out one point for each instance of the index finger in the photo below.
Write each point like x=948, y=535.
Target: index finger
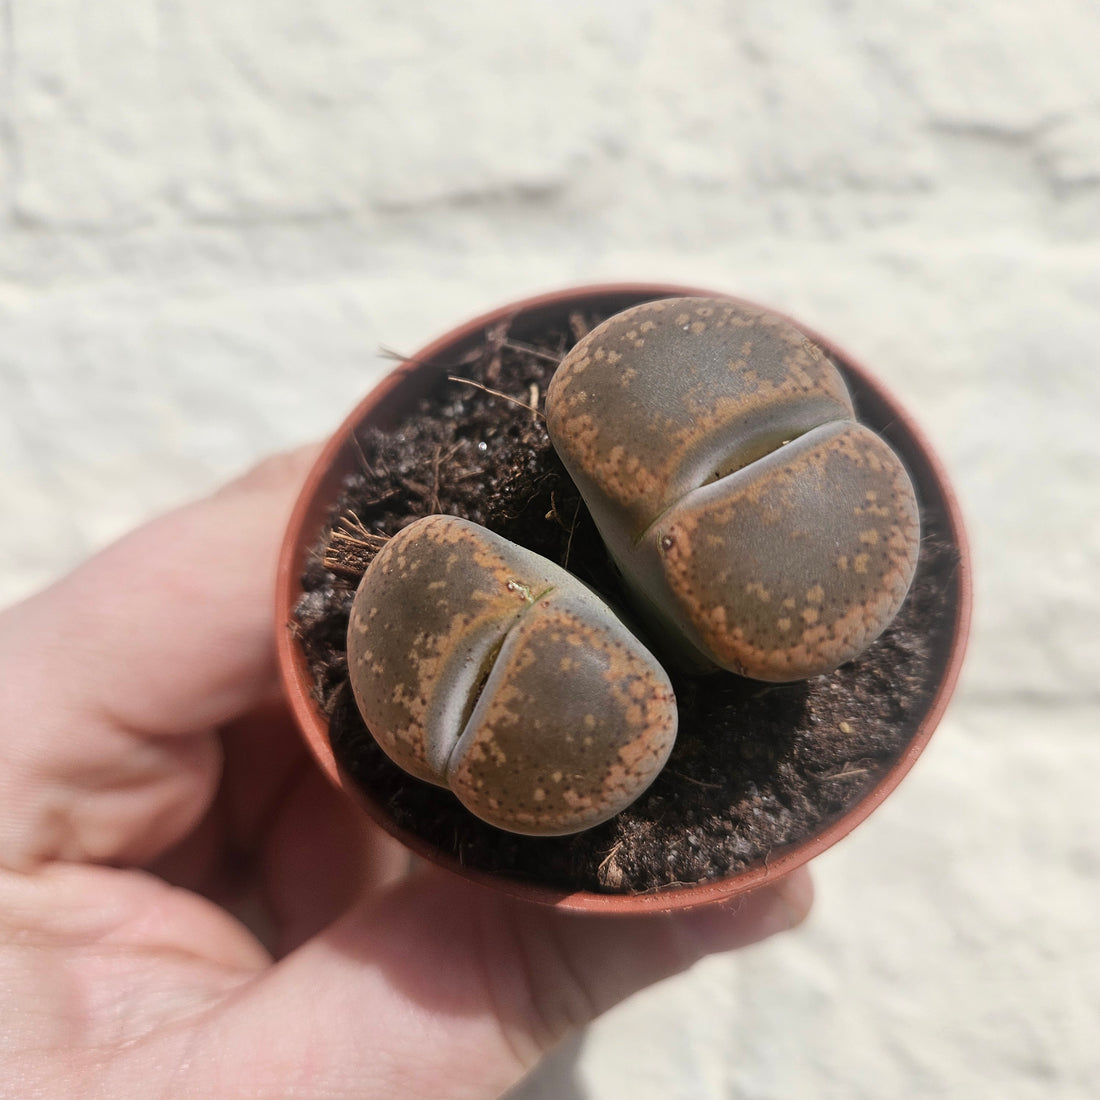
x=115, y=678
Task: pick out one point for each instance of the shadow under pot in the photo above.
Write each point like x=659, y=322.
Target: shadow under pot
x=743, y=772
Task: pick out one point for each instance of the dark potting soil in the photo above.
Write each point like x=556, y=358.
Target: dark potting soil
x=756, y=768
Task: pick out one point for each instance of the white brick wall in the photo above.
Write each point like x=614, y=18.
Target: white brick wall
x=214, y=213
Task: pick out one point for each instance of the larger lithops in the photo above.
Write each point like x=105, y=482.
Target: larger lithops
x=481, y=666
x=753, y=516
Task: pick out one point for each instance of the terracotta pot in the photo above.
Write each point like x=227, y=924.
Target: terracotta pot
x=393, y=399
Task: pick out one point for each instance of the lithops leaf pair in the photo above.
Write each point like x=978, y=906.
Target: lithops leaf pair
x=753, y=517
x=480, y=666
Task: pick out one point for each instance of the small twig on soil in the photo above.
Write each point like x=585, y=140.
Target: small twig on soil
x=533, y=399
x=434, y=505
x=556, y=517
x=398, y=357
x=578, y=325
x=496, y=393
x=553, y=513
x=610, y=855
x=845, y=775
x=697, y=782
x=417, y=488
x=378, y=500
x=362, y=454
x=496, y=338
x=530, y=349
x=352, y=520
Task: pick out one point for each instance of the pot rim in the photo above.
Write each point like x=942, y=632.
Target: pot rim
x=294, y=673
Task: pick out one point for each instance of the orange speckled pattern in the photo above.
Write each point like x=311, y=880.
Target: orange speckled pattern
x=667, y=395
x=717, y=449
x=479, y=665
x=574, y=723
x=435, y=601
x=798, y=563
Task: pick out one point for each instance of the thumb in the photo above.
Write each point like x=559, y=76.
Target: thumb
x=441, y=988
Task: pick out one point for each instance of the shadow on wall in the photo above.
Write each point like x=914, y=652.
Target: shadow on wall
x=556, y=1077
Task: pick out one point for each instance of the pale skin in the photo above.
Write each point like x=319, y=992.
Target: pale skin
x=187, y=908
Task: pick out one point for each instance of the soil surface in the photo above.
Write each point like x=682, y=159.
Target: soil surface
x=756, y=768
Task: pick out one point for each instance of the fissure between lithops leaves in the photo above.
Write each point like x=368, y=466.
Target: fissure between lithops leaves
x=485, y=669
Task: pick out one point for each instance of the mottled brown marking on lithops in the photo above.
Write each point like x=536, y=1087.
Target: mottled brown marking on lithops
x=479, y=665
x=788, y=525
x=750, y=514
x=544, y=755
x=715, y=386
x=432, y=605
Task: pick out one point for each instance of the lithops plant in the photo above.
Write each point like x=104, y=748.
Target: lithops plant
x=480, y=666
x=753, y=517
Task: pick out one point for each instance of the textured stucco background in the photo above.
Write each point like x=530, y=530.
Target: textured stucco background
x=213, y=214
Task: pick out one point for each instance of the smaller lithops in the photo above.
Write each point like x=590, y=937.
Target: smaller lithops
x=482, y=667
x=754, y=518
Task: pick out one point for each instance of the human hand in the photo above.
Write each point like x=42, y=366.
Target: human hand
x=157, y=810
